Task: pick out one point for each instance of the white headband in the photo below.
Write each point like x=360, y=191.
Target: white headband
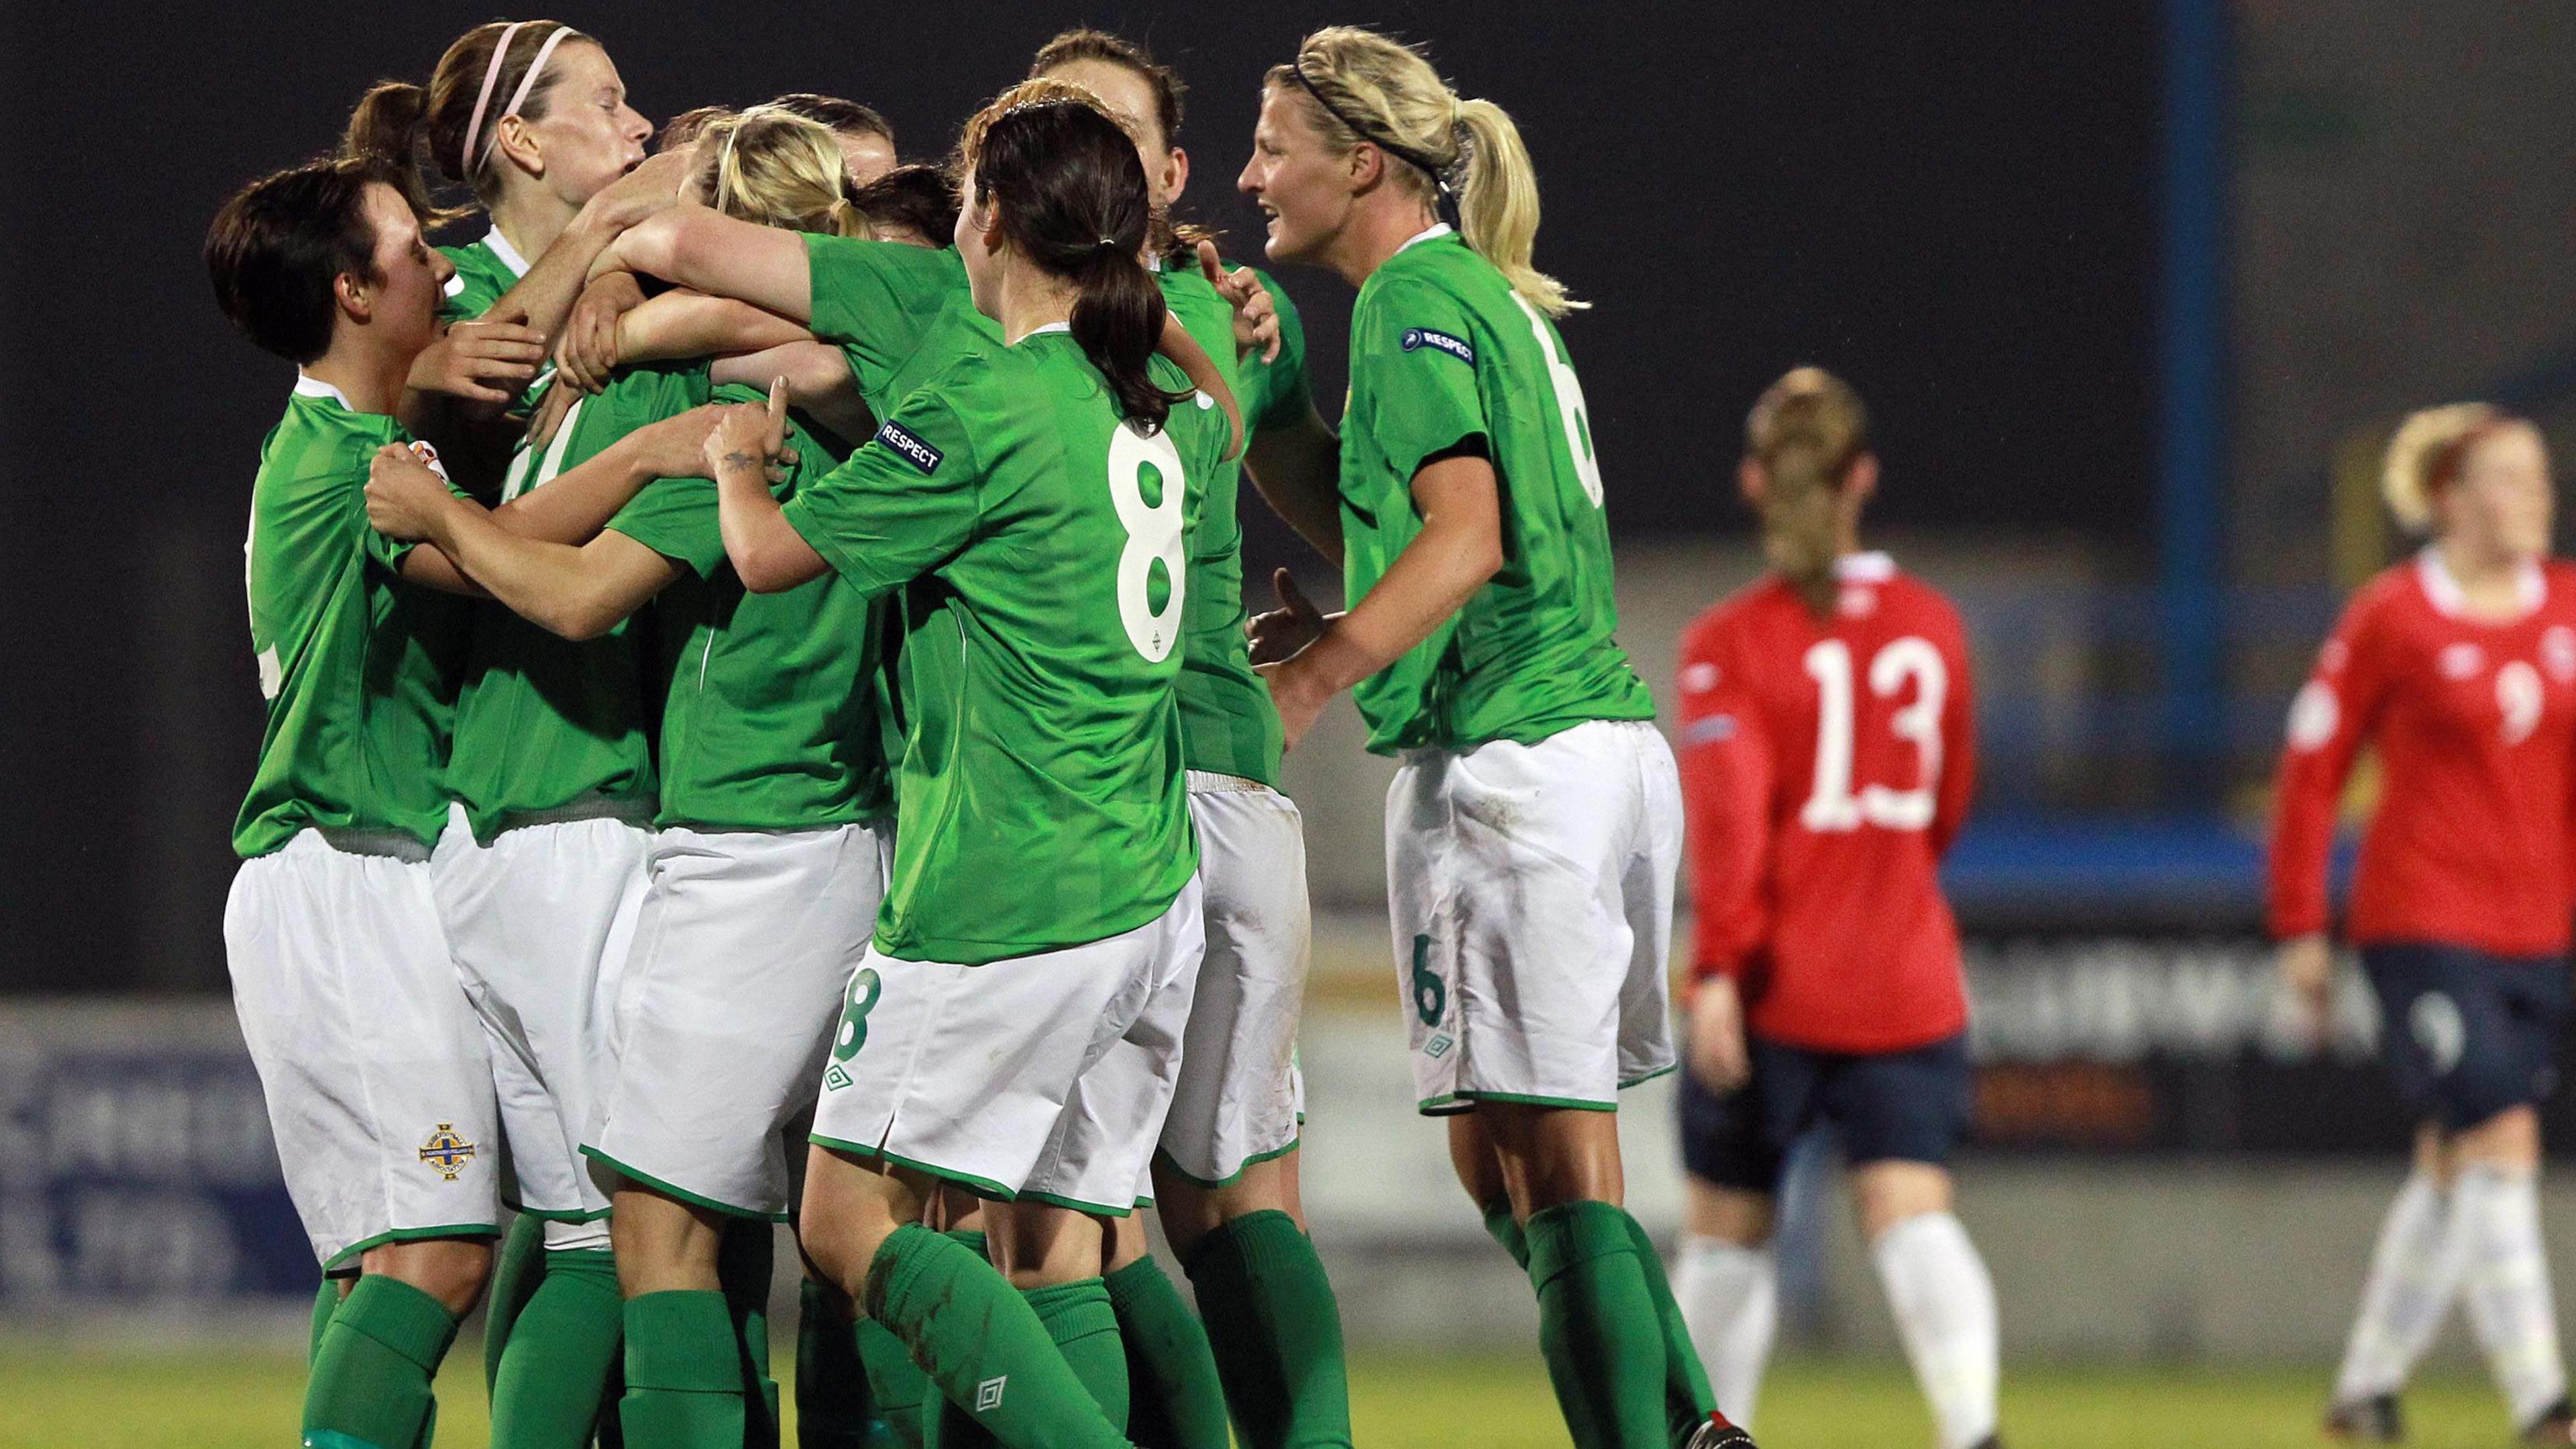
x=518, y=98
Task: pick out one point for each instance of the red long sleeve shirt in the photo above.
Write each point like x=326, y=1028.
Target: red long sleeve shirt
x=2475, y=724
x=1826, y=764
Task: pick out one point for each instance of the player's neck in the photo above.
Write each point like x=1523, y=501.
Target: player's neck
x=1376, y=232
x=531, y=217
x=366, y=372
x=2490, y=581
x=1030, y=299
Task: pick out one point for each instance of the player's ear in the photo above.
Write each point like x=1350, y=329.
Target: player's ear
x=1750, y=483
x=1366, y=166
x=518, y=140
x=1861, y=484
x=355, y=296
x=1176, y=173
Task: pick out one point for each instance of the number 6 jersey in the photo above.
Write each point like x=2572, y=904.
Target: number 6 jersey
x=1826, y=764
x=2474, y=722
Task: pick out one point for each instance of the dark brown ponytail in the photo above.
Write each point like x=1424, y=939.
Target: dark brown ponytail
x=1068, y=193
x=387, y=127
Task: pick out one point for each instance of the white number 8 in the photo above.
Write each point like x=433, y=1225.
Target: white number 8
x=1153, y=532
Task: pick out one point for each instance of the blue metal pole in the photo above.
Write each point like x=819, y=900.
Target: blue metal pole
x=2191, y=412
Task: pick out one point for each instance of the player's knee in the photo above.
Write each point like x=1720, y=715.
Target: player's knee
x=1890, y=1192
x=451, y=1270
x=1728, y=1214
x=664, y=1245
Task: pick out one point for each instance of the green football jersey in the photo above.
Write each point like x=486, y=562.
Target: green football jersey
x=358, y=667
x=1228, y=725
x=1040, y=804
x=770, y=720
x=544, y=722
x=892, y=309
x=1443, y=351
x=485, y=269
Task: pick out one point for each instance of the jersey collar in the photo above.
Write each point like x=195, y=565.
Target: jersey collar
x=1432, y=232
x=2530, y=586
x=307, y=385
x=1865, y=568
x=505, y=253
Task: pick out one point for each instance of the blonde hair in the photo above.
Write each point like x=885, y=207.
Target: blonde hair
x=1806, y=431
x=1369, y=88
x=2427, y=452
x=770, y=165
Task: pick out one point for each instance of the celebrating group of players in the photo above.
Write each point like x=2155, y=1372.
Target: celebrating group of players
x=671, y=791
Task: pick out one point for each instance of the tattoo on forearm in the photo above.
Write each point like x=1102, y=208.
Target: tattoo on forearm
x=739, y=459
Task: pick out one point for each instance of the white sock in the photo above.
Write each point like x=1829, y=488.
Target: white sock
x=1730, y=1298
x=2507, y=1286
x=566, y=1237
x=2414, y=1275
x=1945, y=1311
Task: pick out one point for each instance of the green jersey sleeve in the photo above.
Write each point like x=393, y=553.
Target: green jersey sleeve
x=1411, y=348
x=877, y=300
x=900, y=504
x=676, y=518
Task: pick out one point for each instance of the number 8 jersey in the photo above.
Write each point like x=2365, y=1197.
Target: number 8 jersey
x=1826, y=765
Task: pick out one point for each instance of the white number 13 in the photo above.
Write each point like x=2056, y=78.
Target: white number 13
x=1832, y=805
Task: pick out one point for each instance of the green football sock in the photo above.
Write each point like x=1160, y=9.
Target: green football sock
x=684, y=1379
x=370, y=1382
x=1277, y=1332
x=517, y=1273
x=1597, y=1326
x=907, y=1406
x=982, y=1344
x=1687, y=1399
x=1174, y=1398
x=834, y=1409
x=973, y=1240
x=1500, y=1226
x=326, y=1302
x=1078, y=1316
x=746, y=1259
x=553, y=1381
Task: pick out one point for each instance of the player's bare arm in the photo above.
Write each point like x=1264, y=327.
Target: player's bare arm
x=1459, y=548
x=766, y=550
x=1297, y=470
x=707, y=251
x=578, y=592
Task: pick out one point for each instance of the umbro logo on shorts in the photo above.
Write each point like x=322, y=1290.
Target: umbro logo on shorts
x=988, y=1394
x=1420, y=337
x=446, y=1152
x=910, y=446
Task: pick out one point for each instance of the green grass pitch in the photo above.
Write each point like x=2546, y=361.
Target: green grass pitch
x=113, y=1399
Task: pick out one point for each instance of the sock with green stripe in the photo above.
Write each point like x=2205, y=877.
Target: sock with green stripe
x=1276, y=1330
x=370, y=1387
x=746, y=1260
x=1079, y=1318
x=1503, y=1229
x=684, y=1379
x=553, y=1380
x=517, y=1272
x=1597, y=1326
x=982, y=1345
x=1688, y=1400
x=834, y=1408
x=1175, y=1400
x=326, y=1302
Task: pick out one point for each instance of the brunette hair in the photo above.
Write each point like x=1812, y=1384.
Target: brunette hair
x=279, y=246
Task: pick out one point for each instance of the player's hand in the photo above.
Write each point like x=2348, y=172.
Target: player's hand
x=676, y=447
x=1279, y=633
x=1298, y=698
x=403, y=493
x=748, y=432
x=491, y=359
x=586, y=353
x=2306, y=964
x=1717, y=1053
x=1256, y=315
x=650, y=187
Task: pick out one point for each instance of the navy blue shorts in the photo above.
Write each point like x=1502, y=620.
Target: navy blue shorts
x=1910, y=1106
x=2466, y=1034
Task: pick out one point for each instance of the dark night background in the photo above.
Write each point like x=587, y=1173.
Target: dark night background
x=1952, y=205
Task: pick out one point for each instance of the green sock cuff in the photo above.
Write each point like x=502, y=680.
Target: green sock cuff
x=681, y=1340
x=1503, y=1229
x=1140, y=1282
x=587, y=1264
x=901, y=1260
x=408, y=1322
x=1574, y=1233
x=972, y=1240
x=1060, y=1300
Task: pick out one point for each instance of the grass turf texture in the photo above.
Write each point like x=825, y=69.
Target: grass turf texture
x=110, y=1399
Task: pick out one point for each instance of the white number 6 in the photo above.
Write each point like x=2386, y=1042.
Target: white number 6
x=1153, y=532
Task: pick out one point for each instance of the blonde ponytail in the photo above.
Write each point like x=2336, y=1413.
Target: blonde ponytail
x=774, y=167
x=1468, y=153
x=1806, y=431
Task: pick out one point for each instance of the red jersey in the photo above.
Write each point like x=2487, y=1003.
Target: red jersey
x=1826, y=765
x=2475, y=722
